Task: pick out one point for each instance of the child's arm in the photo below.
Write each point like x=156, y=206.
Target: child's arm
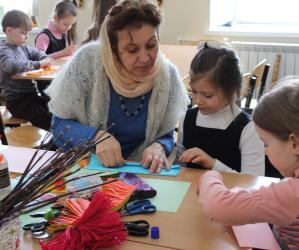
x=10, y=65
x=277, y=204
x=252, y=152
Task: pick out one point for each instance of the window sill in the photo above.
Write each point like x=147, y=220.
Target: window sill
x=254, y=31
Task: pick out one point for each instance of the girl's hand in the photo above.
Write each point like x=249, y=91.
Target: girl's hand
x=154, y=158
x=198, y=156
x=69, y=50
x=109, y=151
x=46, y=62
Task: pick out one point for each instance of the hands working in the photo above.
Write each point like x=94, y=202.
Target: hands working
x=154, y=158
x=109, y=151
x=198, y=156
x=46, y=62
x=69, y=50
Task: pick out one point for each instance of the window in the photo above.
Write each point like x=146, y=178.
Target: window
x=255, y=15
x=28, y=6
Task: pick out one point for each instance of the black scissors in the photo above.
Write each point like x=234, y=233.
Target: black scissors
x=38, y=229
x=137, y=228
x=139, y=207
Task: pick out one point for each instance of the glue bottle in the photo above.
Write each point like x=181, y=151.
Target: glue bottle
x=5, y=187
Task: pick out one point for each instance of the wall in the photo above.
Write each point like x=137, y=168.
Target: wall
x=184, y=20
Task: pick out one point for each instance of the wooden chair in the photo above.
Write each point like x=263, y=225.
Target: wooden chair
x=258, y=71
x=9, y=120
x=24, y=136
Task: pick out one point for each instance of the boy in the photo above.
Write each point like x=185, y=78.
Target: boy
x=15, y=57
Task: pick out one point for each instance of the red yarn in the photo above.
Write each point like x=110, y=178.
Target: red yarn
x=98, y=227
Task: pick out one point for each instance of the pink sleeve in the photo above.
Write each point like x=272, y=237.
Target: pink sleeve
x=42, y=43
x=277, y=204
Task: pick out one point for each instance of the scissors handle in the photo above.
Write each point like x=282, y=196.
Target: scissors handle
x=145, y=209
x=137, y=203
x=137, y=228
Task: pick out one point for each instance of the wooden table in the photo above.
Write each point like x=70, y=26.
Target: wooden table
x=180, y=55
x=188, y=228
x=49, y=77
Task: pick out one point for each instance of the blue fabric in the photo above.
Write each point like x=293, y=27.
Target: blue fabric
x=131, y=167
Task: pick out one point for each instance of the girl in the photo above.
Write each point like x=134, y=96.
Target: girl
x=217, y=134
x=276, y=118
x=52, y=40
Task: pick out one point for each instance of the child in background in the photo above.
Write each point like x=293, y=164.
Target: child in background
x=53, y=40
x=217, y=134
x=276, y=118
x=15, y=57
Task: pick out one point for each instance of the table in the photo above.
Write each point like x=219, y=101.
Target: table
x=180, y=55
x=58, y=62
x=188, y=228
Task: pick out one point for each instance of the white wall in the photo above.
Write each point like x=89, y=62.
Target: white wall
x=187, y=19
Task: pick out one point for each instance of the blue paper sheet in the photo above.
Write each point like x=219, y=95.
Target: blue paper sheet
x=131, y=167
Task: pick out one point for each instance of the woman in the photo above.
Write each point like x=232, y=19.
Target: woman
x=122, y=80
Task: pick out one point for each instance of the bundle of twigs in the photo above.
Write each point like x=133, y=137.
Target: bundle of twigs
x=33, y=185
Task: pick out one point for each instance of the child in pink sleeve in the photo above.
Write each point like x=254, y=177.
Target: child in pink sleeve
x=276, y=119
x=53, y=39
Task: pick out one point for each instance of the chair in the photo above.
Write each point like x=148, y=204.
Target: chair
x=9, y=120
x=263, y=81
x=24, y=136
x=258, y=72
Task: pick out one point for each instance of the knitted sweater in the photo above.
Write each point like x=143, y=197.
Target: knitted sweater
x=81, y=92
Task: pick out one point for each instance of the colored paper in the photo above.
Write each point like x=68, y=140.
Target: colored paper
x=164, y=201
x=131, y=167
x=18, y=158
x=257, y=235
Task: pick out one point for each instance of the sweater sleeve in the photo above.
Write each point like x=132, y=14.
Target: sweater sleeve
x=167, y=141
x=277, y=204
x=10, y=65
x=71, y=131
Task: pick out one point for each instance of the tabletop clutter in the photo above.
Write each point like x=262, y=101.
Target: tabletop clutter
x=86, y=210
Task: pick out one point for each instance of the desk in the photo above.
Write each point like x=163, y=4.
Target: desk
x=179, y=55
x=58, y=62
x=188, y=228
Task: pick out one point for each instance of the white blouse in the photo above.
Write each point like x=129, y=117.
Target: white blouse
x=251, y=147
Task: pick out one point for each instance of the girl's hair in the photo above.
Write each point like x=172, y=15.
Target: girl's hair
x=64, y=9
x=131, y=13
x=278, y=111
x=221, y=65
x=16, y=19
x=100, y=10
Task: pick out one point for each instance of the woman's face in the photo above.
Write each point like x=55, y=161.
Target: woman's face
x=138, y=49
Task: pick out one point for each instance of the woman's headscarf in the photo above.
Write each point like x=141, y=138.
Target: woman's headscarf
x=123, y=82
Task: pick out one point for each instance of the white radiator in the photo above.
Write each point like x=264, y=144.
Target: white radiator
x=250, y=53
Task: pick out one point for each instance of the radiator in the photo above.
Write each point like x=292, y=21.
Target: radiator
x=250, y=53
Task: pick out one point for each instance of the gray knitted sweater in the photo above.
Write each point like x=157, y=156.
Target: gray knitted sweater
x=81, y=92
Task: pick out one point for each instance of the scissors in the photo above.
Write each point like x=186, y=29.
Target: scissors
x=139, y=207
x=137, y=228
x=38, y=229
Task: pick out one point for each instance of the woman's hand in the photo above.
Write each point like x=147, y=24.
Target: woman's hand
x=198, y=156
x=154, y=158
x=109, y=151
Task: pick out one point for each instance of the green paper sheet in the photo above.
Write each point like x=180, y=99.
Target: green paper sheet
x=165, y=200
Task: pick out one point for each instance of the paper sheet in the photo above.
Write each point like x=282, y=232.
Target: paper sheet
x=131, y=167
x=164, y=201
x=257, y=235
x=18, y=158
